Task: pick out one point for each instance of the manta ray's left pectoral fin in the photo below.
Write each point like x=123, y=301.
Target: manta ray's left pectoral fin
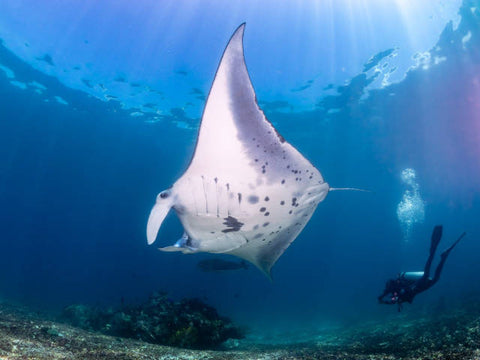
x=159, y=211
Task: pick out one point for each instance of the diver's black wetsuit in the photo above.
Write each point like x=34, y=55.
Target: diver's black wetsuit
x=401, y=289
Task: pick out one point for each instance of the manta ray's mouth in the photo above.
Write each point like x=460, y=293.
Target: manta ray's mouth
x=185, y=244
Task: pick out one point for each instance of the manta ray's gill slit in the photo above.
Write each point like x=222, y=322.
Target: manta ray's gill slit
x=192, y=189
x=217, y=189
x=205, y=195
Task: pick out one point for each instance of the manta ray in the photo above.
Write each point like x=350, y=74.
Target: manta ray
x=247, y=192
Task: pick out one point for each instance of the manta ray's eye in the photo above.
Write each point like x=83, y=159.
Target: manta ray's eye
x=164, y=194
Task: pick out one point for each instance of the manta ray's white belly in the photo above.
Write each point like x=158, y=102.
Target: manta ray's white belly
x=220, y=216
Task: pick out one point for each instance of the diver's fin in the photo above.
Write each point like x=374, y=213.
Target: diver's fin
x=446, y=252
x=436, y=236
x=157, y=215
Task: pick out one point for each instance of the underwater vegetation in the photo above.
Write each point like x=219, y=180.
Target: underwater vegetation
x=189, y=323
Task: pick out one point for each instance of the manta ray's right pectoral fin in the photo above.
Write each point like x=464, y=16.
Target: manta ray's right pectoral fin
x=157, y=215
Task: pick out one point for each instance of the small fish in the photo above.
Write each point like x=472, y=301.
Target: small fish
x=213, y=265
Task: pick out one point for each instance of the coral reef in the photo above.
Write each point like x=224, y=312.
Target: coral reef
x=189, y=323
x=452, y=334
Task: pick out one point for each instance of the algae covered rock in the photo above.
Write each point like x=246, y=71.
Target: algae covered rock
x=189, y=323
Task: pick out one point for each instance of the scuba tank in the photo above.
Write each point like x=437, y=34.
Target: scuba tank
x=411, y=275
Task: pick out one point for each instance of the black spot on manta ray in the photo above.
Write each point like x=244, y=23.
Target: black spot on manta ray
x=267, y=213
x=253, y=199
x=262, y=209
x=232, y=224
x=266, y=224
x=267, y=198
x=239, y=197
x=282, y=202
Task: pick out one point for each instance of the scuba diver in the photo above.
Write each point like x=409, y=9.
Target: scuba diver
x=408, y=284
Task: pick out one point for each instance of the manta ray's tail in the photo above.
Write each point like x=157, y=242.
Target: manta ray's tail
x=348, y=189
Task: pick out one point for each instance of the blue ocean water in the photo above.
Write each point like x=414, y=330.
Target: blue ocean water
x=99, y=111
